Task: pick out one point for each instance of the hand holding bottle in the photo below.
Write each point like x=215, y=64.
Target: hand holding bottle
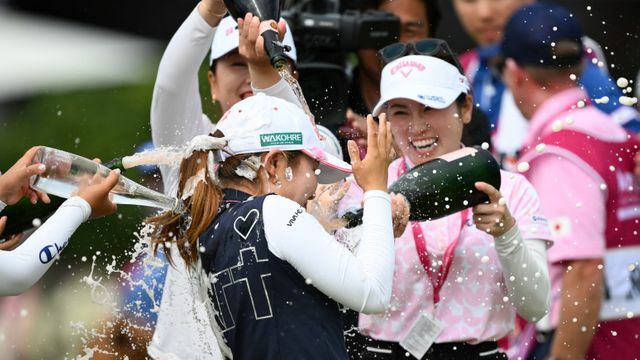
x=372, y=172
x=96, y=194
x=251, y=47
x=493, y=217
x=14, y=184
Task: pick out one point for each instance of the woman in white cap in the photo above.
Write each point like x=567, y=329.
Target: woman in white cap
x=274, y=275
x=459, y=280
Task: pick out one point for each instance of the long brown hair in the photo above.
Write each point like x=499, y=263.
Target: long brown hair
x=201, y=208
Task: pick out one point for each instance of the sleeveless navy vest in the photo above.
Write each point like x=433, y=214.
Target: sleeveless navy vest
x=264, y=307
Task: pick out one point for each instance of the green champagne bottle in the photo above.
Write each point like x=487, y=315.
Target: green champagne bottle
x=443, y=186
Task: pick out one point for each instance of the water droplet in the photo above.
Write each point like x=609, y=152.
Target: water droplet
x=308, y=281
x=465, y=203
x=484, y=259
x=556, y=126
x=502, y=201
x=512, y=278
x=523, y=167
x=583, y=329
x=77, y=141
x=603, y=100
x=202, y=249
x=612, y=168
x=614, y=333
x=581, y=104
x=59, y=113
x=629, y=314
x=83, y=259
x=459, y=279
x=622, y=82
x=485, y=145
x=435, y=171
x=540, y=147
x=505, y=299
x=36, y=222
x=603, y=186
x=317, y=172
x=578, y=204
x=573, y=77
x=24, y=313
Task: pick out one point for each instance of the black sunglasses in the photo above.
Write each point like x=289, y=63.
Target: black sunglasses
x=430, y=47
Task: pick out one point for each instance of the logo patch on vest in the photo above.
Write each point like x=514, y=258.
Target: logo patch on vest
x=274, y=139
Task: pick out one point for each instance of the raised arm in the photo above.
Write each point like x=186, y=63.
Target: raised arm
x=176, y=109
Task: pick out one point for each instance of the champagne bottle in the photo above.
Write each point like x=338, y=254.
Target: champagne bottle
x=264, y=10
x=115, y=163
x=66, y=172
x=443, y=186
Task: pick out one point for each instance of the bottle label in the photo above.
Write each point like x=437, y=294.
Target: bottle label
x=452, y=156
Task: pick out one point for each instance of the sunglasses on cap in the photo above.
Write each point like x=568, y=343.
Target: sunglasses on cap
x=429, y=47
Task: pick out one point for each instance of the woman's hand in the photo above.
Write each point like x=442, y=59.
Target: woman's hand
x=212, y=11
x=371, y=173
x=96, y=193
x=251, y=47
x=324, y=206
x=399, y=214
x=14, y=184
x=494, y=217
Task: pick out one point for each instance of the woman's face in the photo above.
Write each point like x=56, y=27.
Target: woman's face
x=421, y=133
x=230, y=82
x=302, y=185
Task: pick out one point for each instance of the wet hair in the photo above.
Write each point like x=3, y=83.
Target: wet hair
x=201, y=207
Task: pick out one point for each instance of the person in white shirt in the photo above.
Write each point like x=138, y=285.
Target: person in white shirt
x=25, y=265
x=244, y=189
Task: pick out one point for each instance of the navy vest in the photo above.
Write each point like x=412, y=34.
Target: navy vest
x=264, y=307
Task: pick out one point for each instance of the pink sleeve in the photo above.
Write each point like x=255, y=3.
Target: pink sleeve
x=574, y=205
x=524, y=205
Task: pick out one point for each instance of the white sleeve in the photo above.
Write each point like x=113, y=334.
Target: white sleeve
x=176, y=108
x=281, y=90
x=24, y=266
x=524, y=263
x=361, y=282
x=2, y=204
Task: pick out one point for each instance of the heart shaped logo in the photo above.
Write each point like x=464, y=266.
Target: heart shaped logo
x=252, y=216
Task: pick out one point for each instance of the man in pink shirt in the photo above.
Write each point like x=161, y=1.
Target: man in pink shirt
x=581, y=163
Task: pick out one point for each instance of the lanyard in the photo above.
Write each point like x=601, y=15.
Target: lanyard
x=438, y=275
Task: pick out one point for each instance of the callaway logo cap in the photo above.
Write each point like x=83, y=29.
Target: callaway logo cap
x=262, y=123
x=227, y=38
x=428, y=80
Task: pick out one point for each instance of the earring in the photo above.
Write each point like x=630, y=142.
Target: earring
x=288, y=173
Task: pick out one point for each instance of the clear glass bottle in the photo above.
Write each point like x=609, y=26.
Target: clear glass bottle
x=66, y=172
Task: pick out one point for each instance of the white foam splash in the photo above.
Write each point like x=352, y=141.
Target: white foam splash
x=192, y=183
x=159, y=156
x=247, y=169
x=602, y=100
x=629, y=101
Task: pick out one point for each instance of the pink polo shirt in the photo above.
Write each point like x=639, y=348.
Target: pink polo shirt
x=471, y=306
x=569, y=191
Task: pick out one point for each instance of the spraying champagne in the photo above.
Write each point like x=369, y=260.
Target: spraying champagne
x=443, y=186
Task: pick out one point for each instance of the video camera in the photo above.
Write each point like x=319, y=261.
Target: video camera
x=324, y=37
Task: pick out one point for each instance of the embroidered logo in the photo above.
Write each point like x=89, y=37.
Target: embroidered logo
x=406, y=67
x=274, y=139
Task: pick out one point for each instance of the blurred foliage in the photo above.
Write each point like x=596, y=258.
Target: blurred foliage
x=98, y=122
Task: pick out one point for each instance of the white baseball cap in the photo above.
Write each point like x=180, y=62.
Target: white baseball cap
x=428, y=80
x=227, y=38
x=262, y=123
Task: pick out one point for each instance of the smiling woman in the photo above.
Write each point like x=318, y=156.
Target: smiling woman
x=480, y=282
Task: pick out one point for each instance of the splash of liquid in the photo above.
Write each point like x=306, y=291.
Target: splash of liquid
x=297, y=90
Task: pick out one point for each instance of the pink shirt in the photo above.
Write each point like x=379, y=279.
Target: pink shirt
x=572, y=197
x=471, y=306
